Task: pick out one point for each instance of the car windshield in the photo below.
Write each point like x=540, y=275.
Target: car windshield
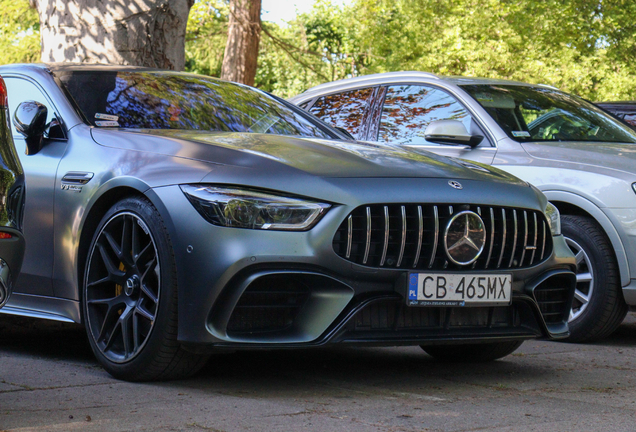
x=164, y=100
x=545, y=114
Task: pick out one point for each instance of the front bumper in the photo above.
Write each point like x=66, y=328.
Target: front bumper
x=254, y=288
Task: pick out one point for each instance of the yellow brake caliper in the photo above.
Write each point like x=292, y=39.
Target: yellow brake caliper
x=118, y=288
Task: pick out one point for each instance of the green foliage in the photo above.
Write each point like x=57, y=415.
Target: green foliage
x=582, y=46
x=206, y=36
x=19, y=32
x=587, y=47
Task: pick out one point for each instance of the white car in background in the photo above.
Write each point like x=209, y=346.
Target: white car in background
x=580, y=157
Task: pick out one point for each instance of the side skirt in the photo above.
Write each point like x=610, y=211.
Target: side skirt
x=50, y=308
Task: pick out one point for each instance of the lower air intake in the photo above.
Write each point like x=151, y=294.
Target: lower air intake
x=553, y=297
x=270, y=303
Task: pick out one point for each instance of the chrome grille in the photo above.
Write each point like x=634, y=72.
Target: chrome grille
x=411, y=236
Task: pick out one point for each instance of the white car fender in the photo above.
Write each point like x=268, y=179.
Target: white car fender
x=603, y=220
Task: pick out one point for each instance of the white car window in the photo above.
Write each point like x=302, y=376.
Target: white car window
x=345, y=110
x=408, y=110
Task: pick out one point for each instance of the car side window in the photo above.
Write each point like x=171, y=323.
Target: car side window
x=409, y=109
x=346, y=110
x=20, y=90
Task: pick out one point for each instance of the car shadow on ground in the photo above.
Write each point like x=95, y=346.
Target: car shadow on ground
x=288, y=370
x=44, y=339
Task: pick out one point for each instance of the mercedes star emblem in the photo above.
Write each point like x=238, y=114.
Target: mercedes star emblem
x=455, y=184
x=465, y=238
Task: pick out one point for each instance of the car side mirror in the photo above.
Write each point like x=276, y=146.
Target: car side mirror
x=29, y=120
x=451, y=132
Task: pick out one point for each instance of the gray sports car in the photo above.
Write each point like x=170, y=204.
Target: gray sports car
x=173, y=214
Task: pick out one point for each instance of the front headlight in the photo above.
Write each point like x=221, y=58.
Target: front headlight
x=634, y=186
x=246, y=208
x=554, y=219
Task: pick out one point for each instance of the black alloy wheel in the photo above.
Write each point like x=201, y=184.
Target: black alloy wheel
x=130, y=296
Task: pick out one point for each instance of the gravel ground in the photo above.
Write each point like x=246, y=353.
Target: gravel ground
x=50, y=381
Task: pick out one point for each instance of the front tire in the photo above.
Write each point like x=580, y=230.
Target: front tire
x=129, y=297
x=471, y=353
x=598, y=307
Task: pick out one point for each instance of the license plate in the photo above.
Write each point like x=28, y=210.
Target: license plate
x=451, y=289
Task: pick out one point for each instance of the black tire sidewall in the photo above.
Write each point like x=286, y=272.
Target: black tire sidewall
x=607, y=290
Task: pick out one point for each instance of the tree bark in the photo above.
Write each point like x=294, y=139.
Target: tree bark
x=244, y=35
x=131, y=32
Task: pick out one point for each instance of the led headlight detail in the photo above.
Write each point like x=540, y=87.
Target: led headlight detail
x=554, y=219
x=245, y=208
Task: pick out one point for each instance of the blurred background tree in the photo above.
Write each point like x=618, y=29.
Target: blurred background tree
x=19, y=32
x=587, y=47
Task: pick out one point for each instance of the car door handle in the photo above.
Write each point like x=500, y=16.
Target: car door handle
x=77, y=177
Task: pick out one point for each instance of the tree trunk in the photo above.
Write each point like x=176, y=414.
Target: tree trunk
x=244, y=35
x=132, y=32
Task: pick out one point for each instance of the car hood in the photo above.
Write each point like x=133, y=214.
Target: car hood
x=614, y=156
x=277, y=154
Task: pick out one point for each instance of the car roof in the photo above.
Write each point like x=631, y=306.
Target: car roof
x=630, y=104
x=68, y=66
x=382, y=78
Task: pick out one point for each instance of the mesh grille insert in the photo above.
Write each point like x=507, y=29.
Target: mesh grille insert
x=270, y=303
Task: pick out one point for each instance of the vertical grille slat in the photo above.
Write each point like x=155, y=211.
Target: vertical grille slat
x=349, y=235
x=403, y=240
x=525, y=237
x=368, y=244
x=544, y=237
x=401, y=236
x=492, y=236
x=435, y=235
x=536, y=232
x=503, y=237
x=387, y=226
x=514, y=238
x=419, y=235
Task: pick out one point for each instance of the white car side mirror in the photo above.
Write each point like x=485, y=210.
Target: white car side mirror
x=451, y=132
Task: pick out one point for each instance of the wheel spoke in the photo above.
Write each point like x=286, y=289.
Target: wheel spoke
x=116, y=329
x=126, y=236
x=141, y=310
x=114, y=272
x=152, y=296
x=126, y=329
x=110, y=302
x=110, y=317
x=135, y=332
x=580, y=257
x=581, y=297
x=583, y=277
x=135, y=242
x=99, y=282
x=113, y=244
x=148, y=253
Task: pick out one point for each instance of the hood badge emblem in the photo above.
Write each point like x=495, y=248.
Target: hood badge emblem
x=455, y=184
x=464, y=238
